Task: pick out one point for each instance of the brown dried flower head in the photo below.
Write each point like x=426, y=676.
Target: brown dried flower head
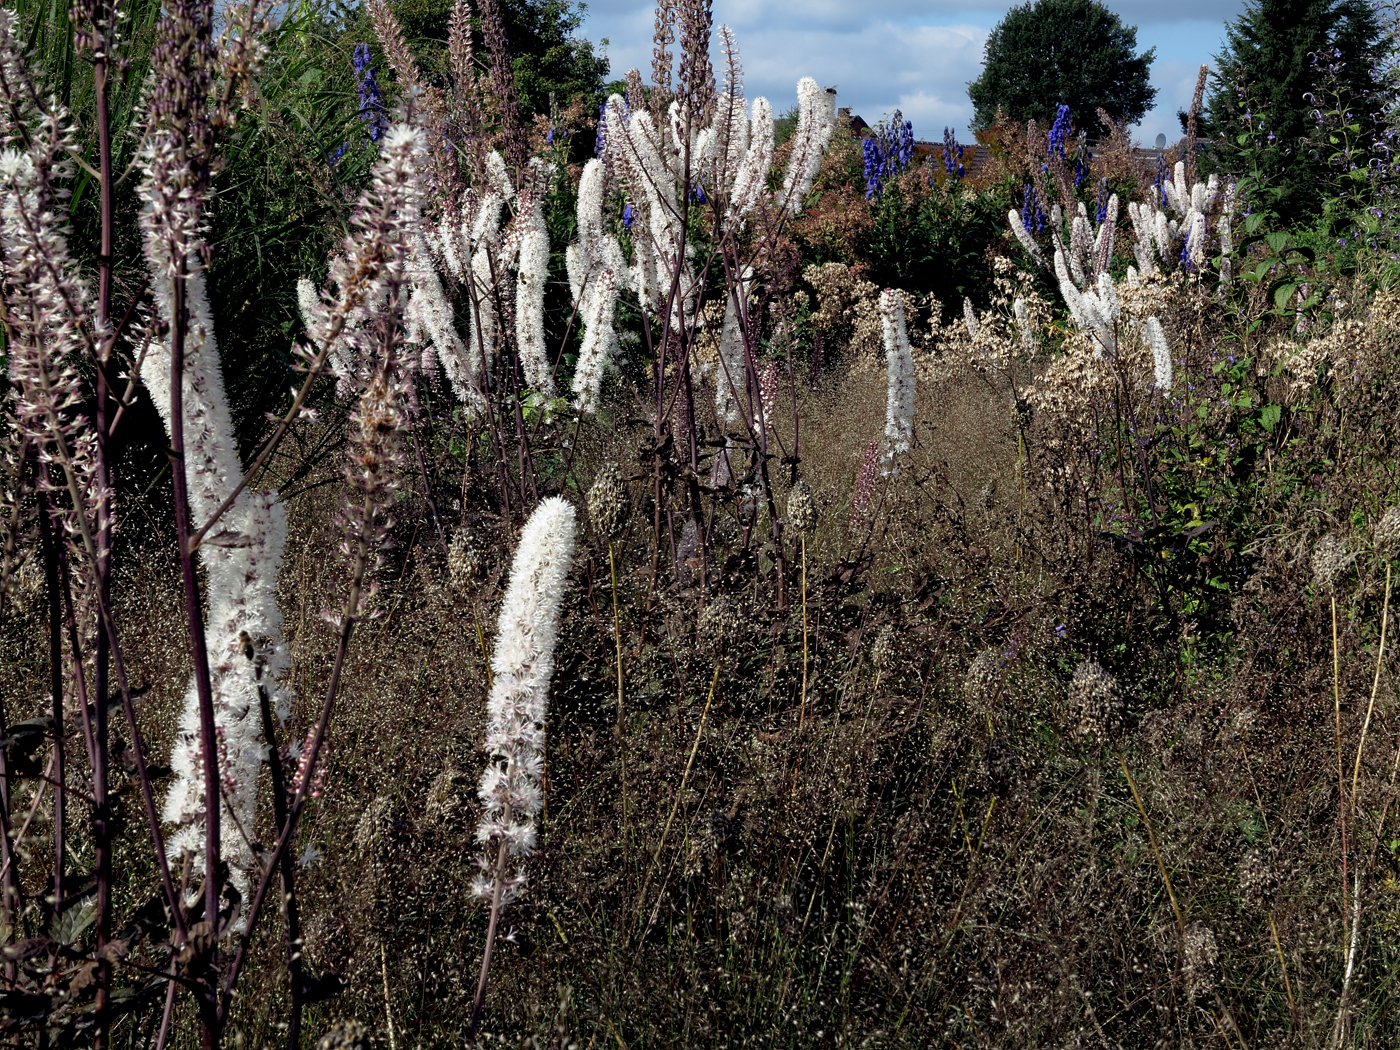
x=609, y=504
x=466, y=561
x=1388, y=532
x=1258, y=881
x=1095, y=702
x=1329, y=562
x=802, y=508
x=345, y=1035
x=1199, y=956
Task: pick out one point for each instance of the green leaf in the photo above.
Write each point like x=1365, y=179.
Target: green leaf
x=1269, y=416
x=1283, y=293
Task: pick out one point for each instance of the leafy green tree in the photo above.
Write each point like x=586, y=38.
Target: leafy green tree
x=1075, y=52
x=1285, y=60
x=548, y=56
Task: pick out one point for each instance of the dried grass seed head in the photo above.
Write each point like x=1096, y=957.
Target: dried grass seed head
x=1095, y=702
x=720, y=623
x=1388, y=532
x=466, y=560
x=345, y=1035
x=1199, y=956
x=802, y=508
x=983, y=680
x=885, y=647
x=1329, y=562
x=1258, y=881
x=609, y=504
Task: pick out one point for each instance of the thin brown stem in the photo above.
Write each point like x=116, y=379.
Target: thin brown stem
x=194, y=618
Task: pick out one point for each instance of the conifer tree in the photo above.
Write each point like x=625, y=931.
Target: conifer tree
x=1264, y=88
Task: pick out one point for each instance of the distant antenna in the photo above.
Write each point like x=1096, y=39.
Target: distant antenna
x=1161, y=140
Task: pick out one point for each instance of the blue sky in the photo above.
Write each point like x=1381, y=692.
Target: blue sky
x=917, y=56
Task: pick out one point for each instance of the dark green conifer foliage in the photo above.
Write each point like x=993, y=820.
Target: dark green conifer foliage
x=1076, y=52
x=1263, y=80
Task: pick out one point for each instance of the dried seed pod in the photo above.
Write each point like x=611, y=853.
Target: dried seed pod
x=1258, y=881
x=883, y=651
x=1095, y=702
x=446, y=804
x=345, y=1035
x=1388, y=532
x=802, y=508
x=1329, y=562
x=466, y=560
x=720, y=623
x=609, y=504
x=983, y=679
x=1198, y=960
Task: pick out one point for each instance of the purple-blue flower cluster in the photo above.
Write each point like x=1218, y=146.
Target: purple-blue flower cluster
x=1056, y=140
x=1159, y=182
x=1101, y=201
x=372, y=109
x=889, y=149
x=1033, y=216
x=952, y=154
x=1059, y=132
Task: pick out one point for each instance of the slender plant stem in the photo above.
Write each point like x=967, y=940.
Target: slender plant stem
x=481, y=640
x=497, y=892
x=1375, y=687
x=1282, y=965
x=102, y=829
x=617, y=630
x=1341, y=776
x=388, y=1012
x=1152, y=838
x=802, y=708
x=287, y=869
x=349, y=616
x=51, y=579
x=194, y=618
x=680, y=792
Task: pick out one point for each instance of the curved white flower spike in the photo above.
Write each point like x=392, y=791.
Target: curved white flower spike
x=816, y=120
x=899, y=364
x=521, y=666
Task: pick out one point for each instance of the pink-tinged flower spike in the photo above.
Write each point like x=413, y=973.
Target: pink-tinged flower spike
x=1161, y=354
x=521, y=668
x=532, y=273
x=970, y=321
x=1103, y=242
x=899, y=362
x=1018, y=227
x=751, y=183
x=731, y=380
x=241, y=557
x=599, y=341
x=731, y=127
x=49, y=309
x=816, y=120
x=863, y=498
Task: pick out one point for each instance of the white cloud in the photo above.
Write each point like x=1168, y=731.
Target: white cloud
x=912, y=54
